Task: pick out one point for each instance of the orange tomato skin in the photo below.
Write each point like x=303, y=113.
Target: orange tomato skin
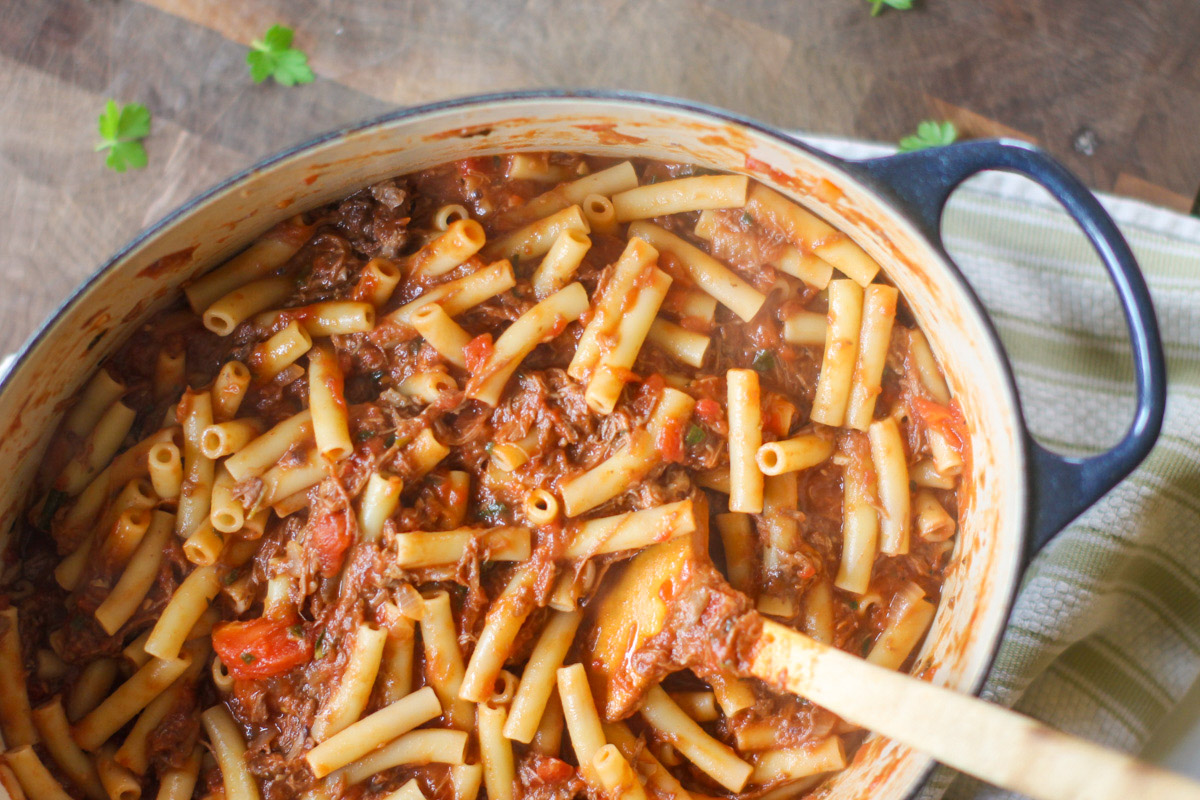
x=261, y=648
x=329, y=536
x=709, y=411
x=477, y=352
x=670, y=442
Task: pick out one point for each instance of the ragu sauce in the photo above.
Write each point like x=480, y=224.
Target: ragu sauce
x=264, y=618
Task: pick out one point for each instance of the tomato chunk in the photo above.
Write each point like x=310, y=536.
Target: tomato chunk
x=329, y=535
x=947, y=420
x=553, y=770
x=709, y=411
x=261, y=648
x=477, y=351
x=670, y=442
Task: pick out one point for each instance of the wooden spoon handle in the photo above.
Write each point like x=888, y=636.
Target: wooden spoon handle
x=991, y=743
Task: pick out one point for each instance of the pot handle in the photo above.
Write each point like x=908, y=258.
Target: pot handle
x=1062, y=487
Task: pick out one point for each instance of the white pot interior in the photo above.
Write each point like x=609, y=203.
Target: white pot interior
x=983, y=574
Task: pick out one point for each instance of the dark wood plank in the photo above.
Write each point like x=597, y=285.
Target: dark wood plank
x=1110, y=87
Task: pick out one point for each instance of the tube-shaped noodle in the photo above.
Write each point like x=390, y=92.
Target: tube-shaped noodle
x=257, y=261
x=280, y=351
x=536, y=238
x=358, y=739
x=458, y=295
x=703, y=270
x=234, y=308
x=327, y=402
x=810, y=234
x=875, y=337
x=542, y=322
x=891, y=467
x=841, y=349
x=712, y=757
x=677, y=196
x=539, y=678
x=745, y=437
x=443, y=334
x=560, y=263
x=195, y=497
x=461, y=239
x=792, y=455
x=376, y=282
x=229, y=389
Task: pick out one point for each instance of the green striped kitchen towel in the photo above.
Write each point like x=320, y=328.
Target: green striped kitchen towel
x=1105, y=637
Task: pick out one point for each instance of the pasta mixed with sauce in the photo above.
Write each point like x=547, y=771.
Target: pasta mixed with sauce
x=353, y=520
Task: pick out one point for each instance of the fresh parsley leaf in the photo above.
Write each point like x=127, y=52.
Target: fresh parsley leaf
x=930, y=133
x=764, y=361
x=747, y=220
x=296, y=631
x=364, y=436
x=274, y=57
x=493, y=512
x=121, y=130
x=249, y=657
x=877, y=6
x=489, y=447
x=695, y=436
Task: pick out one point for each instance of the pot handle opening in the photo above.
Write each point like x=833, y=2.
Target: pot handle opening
x=1061, y=487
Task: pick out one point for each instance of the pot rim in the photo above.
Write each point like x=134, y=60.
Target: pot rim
x=847, y=168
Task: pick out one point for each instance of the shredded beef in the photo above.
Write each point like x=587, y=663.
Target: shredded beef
x=300, y=590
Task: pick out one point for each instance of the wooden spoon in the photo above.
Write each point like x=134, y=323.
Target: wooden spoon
x=669, y=608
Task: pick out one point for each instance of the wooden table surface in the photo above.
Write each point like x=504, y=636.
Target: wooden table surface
x=1110, y=87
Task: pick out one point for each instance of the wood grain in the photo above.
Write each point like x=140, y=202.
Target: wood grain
x=994, y=744
x=1124, y=77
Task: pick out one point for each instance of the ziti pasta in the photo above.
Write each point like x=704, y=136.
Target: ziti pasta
x=334, y=525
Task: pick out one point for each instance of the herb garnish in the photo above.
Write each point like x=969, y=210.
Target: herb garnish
x=764, y=361
x=695, y=436
x=877, y=6
x=121, y=131
x=274, y=57
x=930, y=133
x=493, y=512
